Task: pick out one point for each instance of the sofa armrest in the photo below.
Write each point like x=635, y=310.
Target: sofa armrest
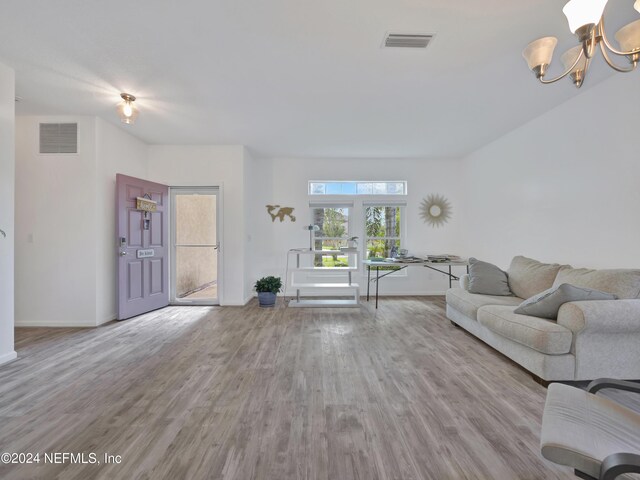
x=601, y=316
x=602, y=383
x=606, y=335
x=618, y=463
x=464, y=282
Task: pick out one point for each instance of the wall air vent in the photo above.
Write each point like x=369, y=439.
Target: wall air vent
x=58, y=138
x=407, y=40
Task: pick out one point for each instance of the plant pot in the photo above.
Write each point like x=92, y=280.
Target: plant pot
x=267, y=299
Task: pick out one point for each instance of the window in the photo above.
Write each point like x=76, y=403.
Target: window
x=383, y=227
x=357, y=188
x=334, y=233
x=372, y=211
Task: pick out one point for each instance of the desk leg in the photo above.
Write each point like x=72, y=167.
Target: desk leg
x=368, y=280
x=449, y=276
x=377, y=283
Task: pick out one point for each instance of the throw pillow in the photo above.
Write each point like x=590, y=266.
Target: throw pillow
x=487, y=279
x=529, y=277
x=548, y=303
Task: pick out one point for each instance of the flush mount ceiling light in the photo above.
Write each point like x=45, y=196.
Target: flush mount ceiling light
x=586, y=21
x=127, y=111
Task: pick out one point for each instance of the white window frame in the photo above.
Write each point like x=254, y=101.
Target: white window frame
x=403, y=228
x=349, y=206
x=358, y=183
x=357, y=221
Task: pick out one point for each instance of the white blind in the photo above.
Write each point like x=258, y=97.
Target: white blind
x=330, y=205
x=384, y=204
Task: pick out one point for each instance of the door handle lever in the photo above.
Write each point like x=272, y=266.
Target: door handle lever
x=123, y=254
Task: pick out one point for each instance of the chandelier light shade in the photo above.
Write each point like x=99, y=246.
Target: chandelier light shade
x=540, y=52
x=629, y=36
x=578, y=68
x=569, y=59
x=126, y=109
x=586, y=21
x=580, y=13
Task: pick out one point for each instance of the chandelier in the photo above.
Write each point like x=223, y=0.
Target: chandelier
x=586, y=21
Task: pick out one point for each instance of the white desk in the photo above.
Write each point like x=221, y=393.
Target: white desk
x=369, y=264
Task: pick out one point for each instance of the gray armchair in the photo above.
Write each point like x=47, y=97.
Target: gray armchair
x=593, y=434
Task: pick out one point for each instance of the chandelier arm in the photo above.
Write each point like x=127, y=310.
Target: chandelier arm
x=611, y=48
x=607, y=59
x=584, y=74
x=569, y=70
x=589, y=45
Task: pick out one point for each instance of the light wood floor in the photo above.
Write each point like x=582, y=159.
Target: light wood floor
x=249, y=393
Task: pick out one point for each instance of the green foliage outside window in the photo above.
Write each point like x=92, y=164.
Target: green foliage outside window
x=382, y=222
x=334, y=229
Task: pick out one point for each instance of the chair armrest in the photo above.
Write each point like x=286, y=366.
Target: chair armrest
x=618, y=463
x=601, y=316
x=602, y=383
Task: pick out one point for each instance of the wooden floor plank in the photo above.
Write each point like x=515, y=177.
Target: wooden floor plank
x=239, y=393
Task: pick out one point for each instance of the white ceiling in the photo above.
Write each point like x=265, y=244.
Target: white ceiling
x=293, y=77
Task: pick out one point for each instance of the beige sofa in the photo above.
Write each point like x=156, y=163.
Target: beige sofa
x=590, y=339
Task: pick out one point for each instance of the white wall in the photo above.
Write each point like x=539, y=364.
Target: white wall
x=560, y=188
x=285, y=183
x=116, y=152
x=56, y=219
x=563, y=187
x=7, y=186
x=220, y=165
x=65, y=222
x=254, y=189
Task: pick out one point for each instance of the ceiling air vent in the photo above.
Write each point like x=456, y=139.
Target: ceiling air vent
x=58, y=138
x=407, y=40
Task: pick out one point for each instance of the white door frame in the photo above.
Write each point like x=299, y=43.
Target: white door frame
x=217, y=190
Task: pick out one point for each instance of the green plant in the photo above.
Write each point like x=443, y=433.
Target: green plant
x=268, y=284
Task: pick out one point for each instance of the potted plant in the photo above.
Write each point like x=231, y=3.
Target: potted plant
x=267, y=288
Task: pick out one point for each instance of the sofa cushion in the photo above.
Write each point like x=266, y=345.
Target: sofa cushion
x=542, y=335
x=546, y=304
x=468, y=303
x=487, y=279
x=528, y=277
x=621, y=282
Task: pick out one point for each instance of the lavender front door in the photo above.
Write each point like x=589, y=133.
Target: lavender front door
x=142, y=241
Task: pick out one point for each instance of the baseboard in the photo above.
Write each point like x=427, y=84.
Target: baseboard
x=8, y=357
x=235, y=304
x=372, y=293
x=52, y=323
x=108, y=319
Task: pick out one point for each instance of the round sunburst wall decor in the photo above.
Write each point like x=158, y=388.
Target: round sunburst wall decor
x=435, y=210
